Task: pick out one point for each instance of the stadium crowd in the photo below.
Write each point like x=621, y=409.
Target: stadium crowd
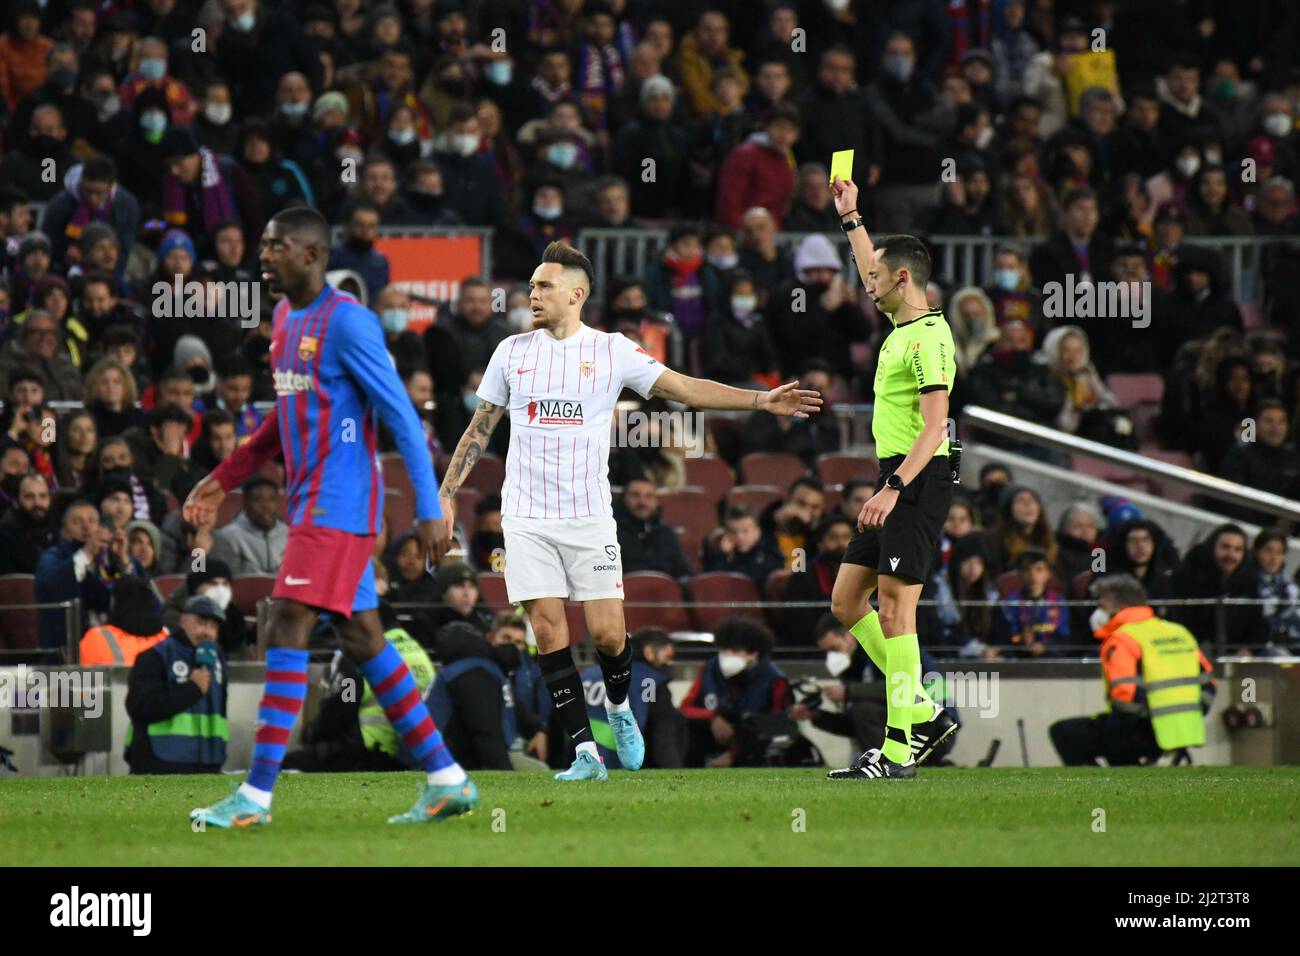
x=149, y=140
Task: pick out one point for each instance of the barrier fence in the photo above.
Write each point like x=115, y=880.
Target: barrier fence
x=1222, y=642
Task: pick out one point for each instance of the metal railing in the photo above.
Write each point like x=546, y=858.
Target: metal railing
x=1023, y=431
x=961, y=260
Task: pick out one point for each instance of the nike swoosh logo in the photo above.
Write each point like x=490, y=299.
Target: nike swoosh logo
x=292, y=581
x=565, y=704
x=523, y=371
x=619, y=585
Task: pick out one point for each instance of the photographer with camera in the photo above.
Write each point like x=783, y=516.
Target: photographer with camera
x=737, y=705
x=859, y=688
x=176, y=698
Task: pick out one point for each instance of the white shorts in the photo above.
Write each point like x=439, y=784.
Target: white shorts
x=574, y=558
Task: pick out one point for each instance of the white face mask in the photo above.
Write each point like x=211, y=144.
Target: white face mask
x=1277, y=124
x=984, y=137
x=1188, y=165
x=837, y=662
x=218, y=114
x=520, y=319
x=731, y=664
x=220, y=593
x=742, y=306
x=465, y=143
x=1098, y=619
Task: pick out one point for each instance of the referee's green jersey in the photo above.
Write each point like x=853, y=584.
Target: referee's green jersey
x=917, y=356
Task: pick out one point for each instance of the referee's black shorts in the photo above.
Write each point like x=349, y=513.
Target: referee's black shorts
x=905, y=547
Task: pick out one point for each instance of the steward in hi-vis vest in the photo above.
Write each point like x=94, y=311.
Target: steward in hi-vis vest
x=1157, y=684
x=176, y=698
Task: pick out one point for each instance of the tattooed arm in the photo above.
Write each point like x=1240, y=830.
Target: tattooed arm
x=469, y=450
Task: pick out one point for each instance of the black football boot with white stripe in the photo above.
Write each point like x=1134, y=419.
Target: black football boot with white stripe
x=874, y=765
x=925, y=738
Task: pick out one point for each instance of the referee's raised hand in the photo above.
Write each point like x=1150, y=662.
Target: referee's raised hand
x=845, y=192
x=789, y=399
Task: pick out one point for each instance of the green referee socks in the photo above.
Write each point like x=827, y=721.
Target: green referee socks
x=902, y=665
x=872, y=638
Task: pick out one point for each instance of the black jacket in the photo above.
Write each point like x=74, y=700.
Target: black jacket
x=22, y=541
x=154, y=694
x=1200, y=577
x=1054, y=259
x=648, y=545
x=1016, y=385
x=474, y=733
x=812, y=333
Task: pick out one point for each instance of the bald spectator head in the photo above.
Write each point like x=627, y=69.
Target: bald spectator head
x=758, y=230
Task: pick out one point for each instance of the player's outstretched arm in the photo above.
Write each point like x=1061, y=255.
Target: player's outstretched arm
x=469, y=449
x=264, y=444
x=787, y=399
x=845, y=192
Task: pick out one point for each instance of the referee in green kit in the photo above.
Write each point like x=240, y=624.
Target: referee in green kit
x=898, y=529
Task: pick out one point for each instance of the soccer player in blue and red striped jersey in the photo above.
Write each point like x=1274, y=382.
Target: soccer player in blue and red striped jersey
x=333, y=378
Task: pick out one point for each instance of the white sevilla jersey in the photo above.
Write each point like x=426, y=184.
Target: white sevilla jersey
x=561, y=397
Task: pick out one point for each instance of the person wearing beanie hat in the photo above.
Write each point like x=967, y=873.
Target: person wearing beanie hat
x=144, y=541
x=93, y=235
x=214, y=581
x=331, y=102
x=460, y=596
x=174, y=239
x=202, y=190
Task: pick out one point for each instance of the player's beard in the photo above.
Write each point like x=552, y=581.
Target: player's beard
x=545, y=321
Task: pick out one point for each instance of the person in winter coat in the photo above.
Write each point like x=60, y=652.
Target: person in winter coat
x=760, y=171
x=1008, y=380
x=646, y=541
x=91, y=193
x=1217, y=567
x=1066, y=353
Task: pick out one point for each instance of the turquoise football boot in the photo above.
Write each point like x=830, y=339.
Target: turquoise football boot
x=441, y=803
x=236, y=812
x=627, y=735
x=585, y=767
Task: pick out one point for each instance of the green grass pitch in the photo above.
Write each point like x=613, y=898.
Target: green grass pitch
x=1196, y=816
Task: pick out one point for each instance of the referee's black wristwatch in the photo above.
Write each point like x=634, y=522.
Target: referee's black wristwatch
x=895, y=481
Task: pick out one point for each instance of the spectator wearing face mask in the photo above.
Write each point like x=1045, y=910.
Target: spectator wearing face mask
x=737, y=683
x=24, y=163
x=357, y=252
x=974, y=325
x=213, y=125
x=469, y=177
x=215, y=581
x=150, y=73
x=545, y=220
x=737, y=347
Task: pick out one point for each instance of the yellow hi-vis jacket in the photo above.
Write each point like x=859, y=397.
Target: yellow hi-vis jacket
x=376, y=732
x=1155, y=668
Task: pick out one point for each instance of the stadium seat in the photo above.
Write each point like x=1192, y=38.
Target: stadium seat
x=715, y=587
x=168, y=583
x=492, y=586
x=834, y=498
x=487, y=475
x=657, y=588
x=18, y=627
x=467, y=500
x=395, y=475
x=835, y=468
x=771, y=468
x=774, y=593
x=1131, y=390
x=710, y=473
x=400, y=510
x=229, y=508
x=754, y=497
x=250, y=589
x=1115, y=474
x=726, y=434
x=689, y=541
x=689, y=508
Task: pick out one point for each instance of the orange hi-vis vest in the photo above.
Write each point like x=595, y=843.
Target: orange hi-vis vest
x=110, y=645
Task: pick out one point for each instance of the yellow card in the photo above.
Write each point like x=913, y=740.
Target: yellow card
x=842, y=164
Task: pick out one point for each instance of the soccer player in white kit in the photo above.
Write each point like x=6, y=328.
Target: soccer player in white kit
x=560, y=383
